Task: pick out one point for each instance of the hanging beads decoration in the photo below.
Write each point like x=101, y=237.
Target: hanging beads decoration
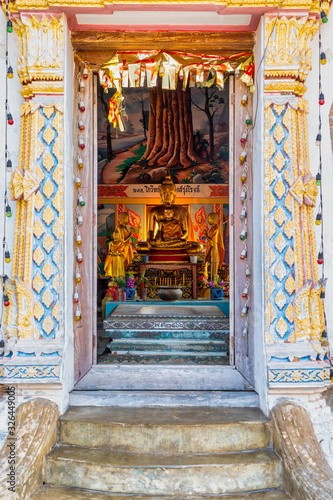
x=6, y=258
x=78, y=220
x=243, y=159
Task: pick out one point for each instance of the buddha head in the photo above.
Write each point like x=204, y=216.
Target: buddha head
x=168, y=190
x=123, y=218
x=116, y=234
x=212, y=218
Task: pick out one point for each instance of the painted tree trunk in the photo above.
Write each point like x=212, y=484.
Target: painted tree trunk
x=170, y=134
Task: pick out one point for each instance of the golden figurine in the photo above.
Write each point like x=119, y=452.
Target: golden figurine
x=114, y=262
x=169, y=225
x=126, y=235
x=214, y=246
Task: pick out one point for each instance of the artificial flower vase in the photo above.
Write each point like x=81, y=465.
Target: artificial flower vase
x=130, y=293
x=216, y=293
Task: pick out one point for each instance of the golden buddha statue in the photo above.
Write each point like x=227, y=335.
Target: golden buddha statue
x=114, y=262
x=169, y=225
x=214, y=246
x=126, y=235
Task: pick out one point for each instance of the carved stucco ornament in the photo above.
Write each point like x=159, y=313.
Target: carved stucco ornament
x=304, y=190
x=23, y=185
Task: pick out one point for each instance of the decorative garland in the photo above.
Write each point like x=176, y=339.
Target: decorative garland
x=6, y=259
x=77, y=184
x=243, y=215
x=319, y=217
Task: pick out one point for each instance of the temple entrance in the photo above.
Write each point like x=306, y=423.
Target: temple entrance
x=170, y=141
x=171, y=211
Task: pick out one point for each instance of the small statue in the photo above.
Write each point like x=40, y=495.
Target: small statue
x=126, y=235
x=169, y=225
x=214, y=246
x=114, y=262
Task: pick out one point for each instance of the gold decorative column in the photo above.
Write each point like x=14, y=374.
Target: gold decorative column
x=294, y=310
x=34, y=317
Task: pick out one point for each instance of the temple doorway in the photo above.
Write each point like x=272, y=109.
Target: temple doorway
x=150, y=141
x=182, y=135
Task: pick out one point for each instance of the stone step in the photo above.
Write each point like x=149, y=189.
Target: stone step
x=130, y=473
x=157, y=358
x=135, y=399
x=156, y=334
x=174, y=346
x=166, y=378
x=165, y=430
x=62, y=493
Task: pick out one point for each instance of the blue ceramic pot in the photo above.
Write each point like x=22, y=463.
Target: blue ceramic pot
x=216, y=293
x=130, y=293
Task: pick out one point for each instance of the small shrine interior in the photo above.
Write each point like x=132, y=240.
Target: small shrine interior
x=163, y=207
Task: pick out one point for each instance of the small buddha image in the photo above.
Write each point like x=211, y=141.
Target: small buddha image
x=214, y=246
x=169, y=227
x=114, y=262
x=126, y=236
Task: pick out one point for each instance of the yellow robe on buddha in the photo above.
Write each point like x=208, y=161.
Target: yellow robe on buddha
x=114, y=262
x=217, y=245
x=127, y=251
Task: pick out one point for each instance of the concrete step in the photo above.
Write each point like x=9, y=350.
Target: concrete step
x=62, y=493
x=168, y=346
x=157, y=333
x=165, y=430
x=130, y=473
x=164, y=378
x=162, y=358
x=135, y=399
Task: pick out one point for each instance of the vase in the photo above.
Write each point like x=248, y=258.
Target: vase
x=169, y=293
x=130, y=293
x=144, y=259
x=216, y=293
x=193, y=259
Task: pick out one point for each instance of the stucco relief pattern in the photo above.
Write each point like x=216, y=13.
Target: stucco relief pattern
x=279, y=233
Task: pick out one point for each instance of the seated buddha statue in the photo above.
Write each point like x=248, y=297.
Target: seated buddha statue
x=169, y=224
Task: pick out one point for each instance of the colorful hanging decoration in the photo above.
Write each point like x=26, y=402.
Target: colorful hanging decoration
x=78, y=166
x=142, y=69
x=6, y=259
x=243, y=159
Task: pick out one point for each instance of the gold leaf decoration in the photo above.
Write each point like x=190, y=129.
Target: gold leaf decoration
x=289, y=313
x=40, y=148
x=279, y=161
x=280, y=243
x=281, y=327
x=48, y=189
x=56, y=202
x=48, y=135
x=55, y=312
x=56, y=257
x=48, y=161
x=47, y=298
x=48, y=111
x=55, y=175
x=280, y=271
x=38, y=256
x=38, y=229
x=48, y=270
x=279, y=216
x=41, y=121
x=56, y=148
x=38, y=311
x=56, y=229
x=48, y=243
x=38, y=283
x=278, y=133
x=289, y=229
x=271, y=229
x=48, y=325
x=289, y=257
x=288, y=202
x=279, y=108
x=280, y=299
x=290, y=285
x=48, y=215
x=56, y=283
x=39, y=201
x=39, y=173
x=279, y=189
